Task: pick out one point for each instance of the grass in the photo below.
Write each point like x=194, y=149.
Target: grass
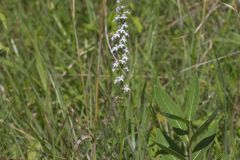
x=55, y=68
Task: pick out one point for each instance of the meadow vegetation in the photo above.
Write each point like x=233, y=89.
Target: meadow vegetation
x=57, y=91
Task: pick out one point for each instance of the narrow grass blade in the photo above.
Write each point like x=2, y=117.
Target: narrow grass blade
x=41, y=70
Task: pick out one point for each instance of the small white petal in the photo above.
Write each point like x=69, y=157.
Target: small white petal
x=126, y=69
x=119, y=79
x=126, y=88
x=127, y=12
x=123, y=39
x=126, y=50
x=124, y=57
x=123, y=16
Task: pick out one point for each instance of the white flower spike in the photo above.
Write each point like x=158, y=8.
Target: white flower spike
x=120, y=49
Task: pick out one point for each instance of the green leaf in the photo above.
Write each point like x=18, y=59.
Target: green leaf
x=204, y=126
x=204, y=143
x=192, y=99
x=167, y=157
x=180, y=132
x=169, y=106
x=171, y=151
x=137, y=24
x=172, y=144
x=198, y=155
x=171, y=116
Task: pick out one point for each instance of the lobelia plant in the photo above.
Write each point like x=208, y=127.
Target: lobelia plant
x=120, y=49
x=190, y=142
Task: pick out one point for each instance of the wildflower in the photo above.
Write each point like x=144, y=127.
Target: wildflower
x=126, y=69
x=115, y=65
x=115, y=36
x=119, y=79
x=126, y=88
x=120, y=49
x=123, y=39
x=124, y=57
x=126, y=50
x=123, y=16
x=121, y=45
x=124, y=26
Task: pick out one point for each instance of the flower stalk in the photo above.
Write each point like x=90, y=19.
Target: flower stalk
x=120, y=49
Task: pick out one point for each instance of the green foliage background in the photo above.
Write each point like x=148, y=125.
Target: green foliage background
x=56, y=98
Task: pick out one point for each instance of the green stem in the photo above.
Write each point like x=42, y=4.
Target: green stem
x=190, y=143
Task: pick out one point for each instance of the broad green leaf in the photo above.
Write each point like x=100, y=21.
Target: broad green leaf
x=204, y=143
x=171, y=151
x=172, y=144
x=169, y=106
x=204, y=126
x=156, y=135
x=180, y=132
x=198, y=155
x=192, y=99
x=177, y=118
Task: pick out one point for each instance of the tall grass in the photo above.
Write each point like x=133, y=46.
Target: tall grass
x=56, y=82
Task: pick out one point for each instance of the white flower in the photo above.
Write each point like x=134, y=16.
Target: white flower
x=118, y=9
x=122, y=61
x=115, y=66
x=126, y=69
x=121, y=45
x=122, y=6
x=124, y=26
x=124, y=57
x=127, y=12
x=126, y=50
x=119, y=79
x=114, y=49
x=119, y=1
x=123, y=39
x=123, y=32
x=124, y=17
x=120, y=39
x=117, y=18
x=126, y=88
x=115, y=36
